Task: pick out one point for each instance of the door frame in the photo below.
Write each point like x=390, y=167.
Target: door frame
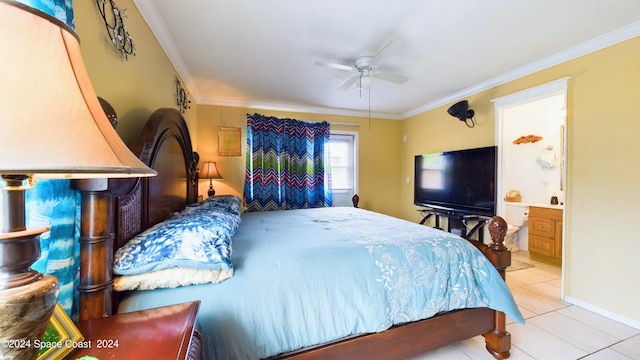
x=553, y=88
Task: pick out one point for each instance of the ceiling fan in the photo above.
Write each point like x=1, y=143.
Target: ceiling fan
x=366, y=67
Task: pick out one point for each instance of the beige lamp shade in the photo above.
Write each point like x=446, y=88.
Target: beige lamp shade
x=209, y=171
x=51, y=125
x=51, y=122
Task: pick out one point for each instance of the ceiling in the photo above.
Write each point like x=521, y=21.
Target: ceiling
x=263, y=54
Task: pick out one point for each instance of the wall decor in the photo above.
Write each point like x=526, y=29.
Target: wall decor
x=547, y=159
x=181, y=97
x=527, y=139
x=60, y=338
x=229, y=141
x=116, y=29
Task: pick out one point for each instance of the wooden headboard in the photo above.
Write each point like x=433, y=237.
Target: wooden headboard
x=129, y=206
x=165, y=146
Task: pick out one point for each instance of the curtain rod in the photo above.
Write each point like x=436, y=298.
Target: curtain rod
x=330, y=122
x=344, y=124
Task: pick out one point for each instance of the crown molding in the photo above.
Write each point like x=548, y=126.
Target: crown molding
x=150, y=14
x=614, y=37
x=295, y=108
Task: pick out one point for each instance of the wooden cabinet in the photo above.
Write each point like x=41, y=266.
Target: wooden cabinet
x=545, y=234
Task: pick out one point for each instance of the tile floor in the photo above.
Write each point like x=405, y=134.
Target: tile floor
x=554, y=329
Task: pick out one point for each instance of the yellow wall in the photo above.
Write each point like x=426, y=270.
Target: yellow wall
x=378, y=142
x=602, y=168
x=435, y=131
x=134, y=87
x=145, y=82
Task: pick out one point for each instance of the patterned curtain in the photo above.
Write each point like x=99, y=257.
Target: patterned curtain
x=287, y=164
x=54, y=204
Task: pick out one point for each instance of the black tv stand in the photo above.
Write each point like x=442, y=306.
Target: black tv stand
x=457, y=222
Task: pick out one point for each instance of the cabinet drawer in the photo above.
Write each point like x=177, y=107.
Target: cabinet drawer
x=555, y=214
x=541, y=245
x=542, y=226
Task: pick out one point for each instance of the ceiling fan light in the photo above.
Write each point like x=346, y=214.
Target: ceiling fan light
x=365, y=82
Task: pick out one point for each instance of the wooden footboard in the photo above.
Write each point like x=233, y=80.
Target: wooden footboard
x=498, y=340
x=412, y=339
x=405, y=341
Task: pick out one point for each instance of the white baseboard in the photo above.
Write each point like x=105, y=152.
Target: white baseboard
x=606, y=313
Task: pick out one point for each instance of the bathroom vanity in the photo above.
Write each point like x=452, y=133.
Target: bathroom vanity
x=545, y=233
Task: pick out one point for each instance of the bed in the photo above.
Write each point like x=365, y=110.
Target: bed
x=312, y=283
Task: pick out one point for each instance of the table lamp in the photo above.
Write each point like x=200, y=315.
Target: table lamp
x=210, y=171
x=51, y=126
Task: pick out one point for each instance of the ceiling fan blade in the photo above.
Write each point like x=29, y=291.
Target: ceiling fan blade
x=394, y=78
x=335, y=66
x=387, y=51
x=348, y=84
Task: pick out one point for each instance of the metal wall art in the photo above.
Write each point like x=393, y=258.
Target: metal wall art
x=116, y=29
x=181, y=97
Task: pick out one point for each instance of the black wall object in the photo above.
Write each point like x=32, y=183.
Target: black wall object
x=461, y=111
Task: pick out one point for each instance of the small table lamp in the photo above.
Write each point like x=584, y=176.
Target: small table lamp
x=51, y=126
x=210, y=171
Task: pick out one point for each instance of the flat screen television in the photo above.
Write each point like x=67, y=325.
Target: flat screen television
x=461, y=182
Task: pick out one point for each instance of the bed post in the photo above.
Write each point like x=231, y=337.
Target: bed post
x=96, y=248
x=498, y=341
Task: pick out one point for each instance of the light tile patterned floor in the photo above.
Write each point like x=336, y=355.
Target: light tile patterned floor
x=554, y=329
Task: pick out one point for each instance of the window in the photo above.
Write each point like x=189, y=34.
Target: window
x=343, y=147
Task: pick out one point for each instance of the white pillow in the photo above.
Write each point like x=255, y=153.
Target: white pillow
x=171, y=278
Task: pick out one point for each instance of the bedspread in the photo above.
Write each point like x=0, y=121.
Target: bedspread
x=305, y=277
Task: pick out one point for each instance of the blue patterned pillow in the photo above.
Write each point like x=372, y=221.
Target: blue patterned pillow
x=198, y=238
x=229, y=203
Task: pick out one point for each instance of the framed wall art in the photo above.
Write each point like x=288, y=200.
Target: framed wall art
x=229, y=143
x=61, y=337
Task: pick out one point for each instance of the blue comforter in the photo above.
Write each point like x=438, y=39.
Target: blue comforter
x=305, y=277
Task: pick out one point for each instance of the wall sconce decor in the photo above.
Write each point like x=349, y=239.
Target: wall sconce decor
x=116, y=29
x=51, y=126
x=181, y=97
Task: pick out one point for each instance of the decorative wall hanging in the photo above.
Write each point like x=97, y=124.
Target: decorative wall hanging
x=527, y=139
x=116, y=29
x=181, y=97
x=547, y=159
x=229, y=141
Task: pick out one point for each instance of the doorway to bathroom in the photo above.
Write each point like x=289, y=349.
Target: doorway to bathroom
x=531, y=137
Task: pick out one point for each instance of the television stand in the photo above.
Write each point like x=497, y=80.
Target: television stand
x=457, y=223
x=426, y=215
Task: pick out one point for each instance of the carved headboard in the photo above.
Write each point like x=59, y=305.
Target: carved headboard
x=164, y=145
x=133, y=205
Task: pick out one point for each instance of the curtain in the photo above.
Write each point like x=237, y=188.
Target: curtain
x=53, y=204
x=287, y=164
